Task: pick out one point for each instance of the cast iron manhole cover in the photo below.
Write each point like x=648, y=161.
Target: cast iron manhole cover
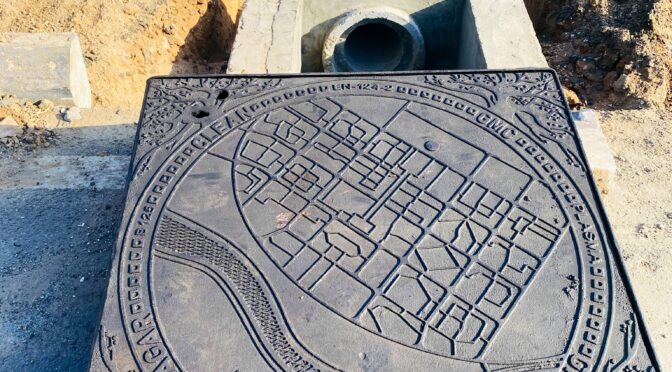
x=365, y=222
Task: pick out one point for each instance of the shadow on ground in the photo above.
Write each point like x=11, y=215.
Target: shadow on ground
x=208, y=45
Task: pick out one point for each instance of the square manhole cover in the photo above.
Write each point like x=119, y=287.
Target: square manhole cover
x=384, y=222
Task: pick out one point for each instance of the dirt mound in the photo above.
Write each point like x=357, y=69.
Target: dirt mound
x=26, y=113
x=610, y=52
x=32, y=119
x=126, y=41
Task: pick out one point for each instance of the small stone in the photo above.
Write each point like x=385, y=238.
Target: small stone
x=165, y=45
x=91, y=55
x=572, y=98
x=9, y=127
x=608, y=59
x=609, y=80
x=594, y=76
x=72, y=114
x=168, y=29
x=148, y=53
x=583, y=67
x=44, y=105
x=619, y=84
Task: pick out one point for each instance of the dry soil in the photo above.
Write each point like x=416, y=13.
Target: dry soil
x=126, y=41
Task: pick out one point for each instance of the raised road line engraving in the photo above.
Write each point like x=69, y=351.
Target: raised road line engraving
x=441, y=221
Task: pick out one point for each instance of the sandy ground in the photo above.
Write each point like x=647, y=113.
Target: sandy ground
x=639, y=206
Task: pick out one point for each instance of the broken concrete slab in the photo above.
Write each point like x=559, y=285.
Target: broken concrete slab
x=600, y=158
x=499, y=35
x=44, y=66
x=71, y=114
x=351, y=222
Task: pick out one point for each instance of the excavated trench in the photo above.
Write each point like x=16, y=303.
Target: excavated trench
x=208, y=44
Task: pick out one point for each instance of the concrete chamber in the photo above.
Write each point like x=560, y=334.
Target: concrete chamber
x=289, y=36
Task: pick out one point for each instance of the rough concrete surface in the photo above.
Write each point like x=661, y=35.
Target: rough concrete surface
x=268, y=39
x=44, y=66
x=498, y=34
x=53, y=274
x=600, y=158
x=64, y=172
x=413, y=228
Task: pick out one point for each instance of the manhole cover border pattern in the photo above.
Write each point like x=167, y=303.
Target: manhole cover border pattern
x=173, y=130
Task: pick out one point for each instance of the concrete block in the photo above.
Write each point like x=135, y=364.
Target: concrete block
x=498, y=35
x=600, y=158
x=268, y=38
x=44, y=66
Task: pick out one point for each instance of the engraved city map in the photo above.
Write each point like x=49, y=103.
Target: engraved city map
x=442, y=221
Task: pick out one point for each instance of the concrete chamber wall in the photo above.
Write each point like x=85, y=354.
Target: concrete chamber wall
x=289, y=36
x=496, y=35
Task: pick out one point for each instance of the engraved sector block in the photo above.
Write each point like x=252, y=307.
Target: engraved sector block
x=386, y=222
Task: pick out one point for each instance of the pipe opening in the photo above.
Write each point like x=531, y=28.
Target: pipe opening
x=373, y=39
x=373, y=47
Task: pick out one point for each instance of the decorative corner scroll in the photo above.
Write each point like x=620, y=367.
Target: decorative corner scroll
x=170, y=103
x=629, y=333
